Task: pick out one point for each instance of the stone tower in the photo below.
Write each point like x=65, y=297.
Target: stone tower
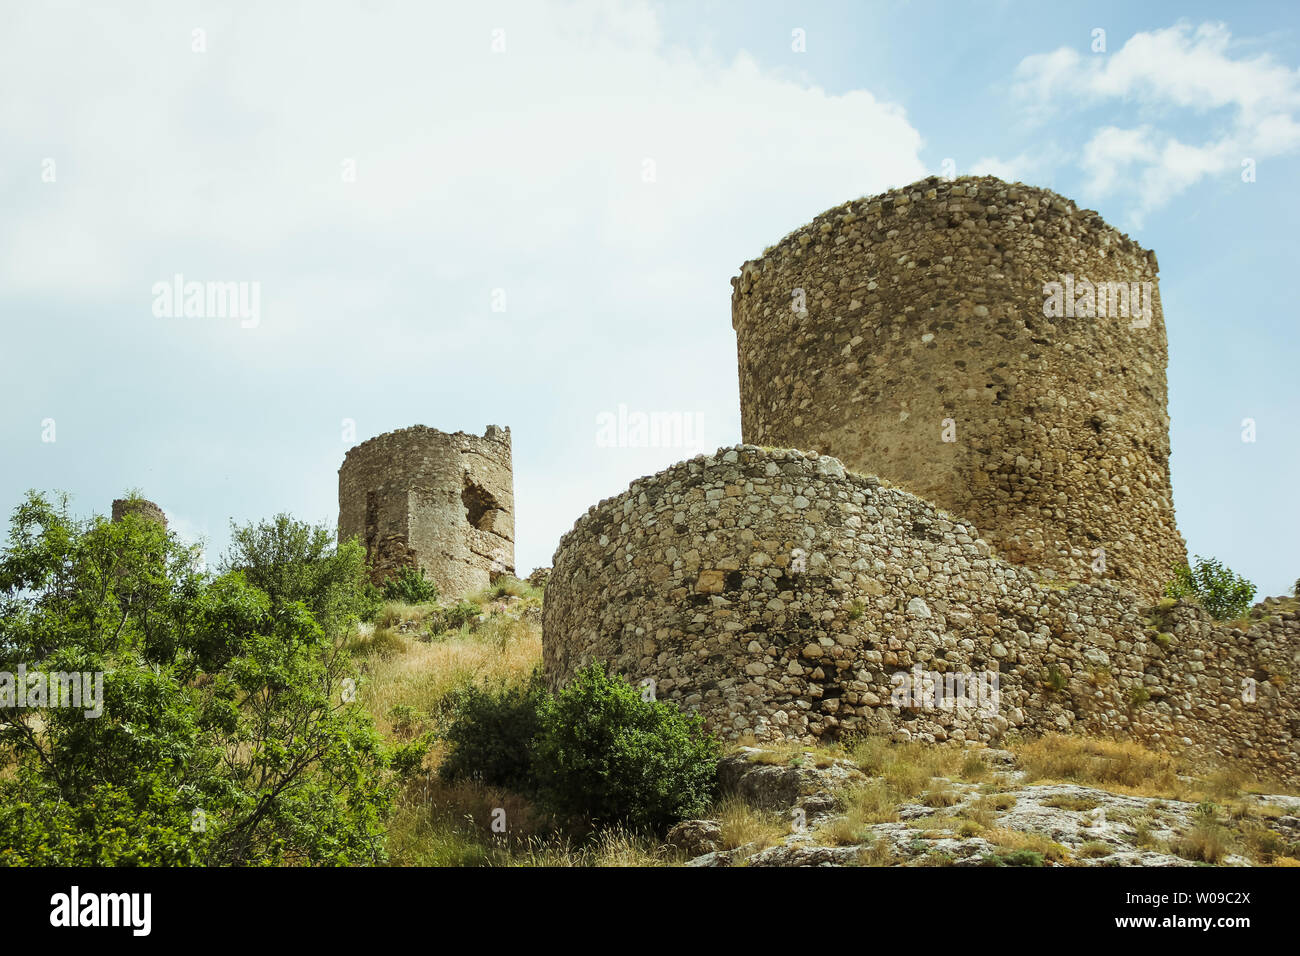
x=442, y=502
x=963, y=340
x=140, y=507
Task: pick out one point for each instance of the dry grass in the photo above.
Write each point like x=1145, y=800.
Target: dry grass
x=908, y=768
x=745, y=826
x=1206, y=841
x=1095, y=849
x=782, y=754
x=860, y=806
x=940, y=794
x=508, y=587
x=1143, y=836
x=1128, y=767
x=877, y=853
x=1009, y=841
x=412, y=675
x=394, y=613
x=983, y=812
x=1077, y=804
x=451, y=824
x=1102, y=763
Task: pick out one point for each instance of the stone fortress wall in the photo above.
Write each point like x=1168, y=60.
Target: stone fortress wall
x=423, y=498
x=790, y=594
x=923, y=318
x=779, y=595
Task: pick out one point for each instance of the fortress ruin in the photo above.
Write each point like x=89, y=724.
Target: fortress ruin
x=905, y=335
x=425, y=499
x=779, y=595
x=924, y=338
x=142, y=508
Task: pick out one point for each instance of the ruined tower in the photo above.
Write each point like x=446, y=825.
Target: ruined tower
x=442, y=502
x=140, y=507
x=919, y=336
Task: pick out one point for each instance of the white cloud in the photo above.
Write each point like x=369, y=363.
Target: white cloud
x=1161, y=72
x=520, y=170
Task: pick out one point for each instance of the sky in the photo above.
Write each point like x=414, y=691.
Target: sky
x=528, y=215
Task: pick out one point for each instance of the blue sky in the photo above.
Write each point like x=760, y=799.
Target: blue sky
x=133, y=149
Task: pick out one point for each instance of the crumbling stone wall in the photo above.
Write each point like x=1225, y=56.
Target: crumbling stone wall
x=419, y=497
x=778, y=594
x=140, y=507
x=922, y=354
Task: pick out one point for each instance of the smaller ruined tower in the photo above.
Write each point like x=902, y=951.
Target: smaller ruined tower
x=418, y=497
x=140, y=507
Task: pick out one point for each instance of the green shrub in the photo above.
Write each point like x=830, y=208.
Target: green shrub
x=510, y=586
x=411, y=586
x=605, y=754
x=1222, y=592
x=491, y=734
x=229, y=733
x=453, y=618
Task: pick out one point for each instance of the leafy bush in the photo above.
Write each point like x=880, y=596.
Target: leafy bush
x=491, y=734
x=1223, y=593
x=228, y=733
x=453, y=618
x=292, y=560
x=605, y=754
x=412, y=586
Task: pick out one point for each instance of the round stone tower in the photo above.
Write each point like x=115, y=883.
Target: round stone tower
x=988, y=346
x=140, y=507
x=419, y=497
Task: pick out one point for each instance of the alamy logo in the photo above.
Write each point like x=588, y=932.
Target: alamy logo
x=624, y=429
x=937, y=690
x=1078, y=298
x=58, y=689
x=103, y=909
x=208, y=300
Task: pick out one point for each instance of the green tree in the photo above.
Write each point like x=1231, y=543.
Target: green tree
x=1222, y=592
x=295, y=561
x=229, y=732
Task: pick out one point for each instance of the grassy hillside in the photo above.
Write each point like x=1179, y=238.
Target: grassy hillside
x=908, y=803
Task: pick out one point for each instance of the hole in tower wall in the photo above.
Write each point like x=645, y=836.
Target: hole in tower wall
x=478, y=502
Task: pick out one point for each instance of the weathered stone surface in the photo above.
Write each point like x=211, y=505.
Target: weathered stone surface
x=139, y=507
x=695, y=837
x=1080, y=825
x=922, y=354
x=784, y=787
x=803, y=628
x=443, y=502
